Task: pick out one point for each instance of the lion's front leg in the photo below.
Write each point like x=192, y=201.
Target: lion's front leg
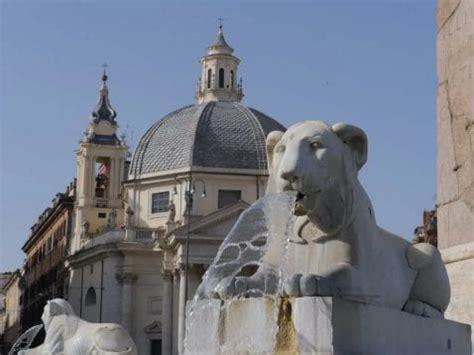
x=334, y=282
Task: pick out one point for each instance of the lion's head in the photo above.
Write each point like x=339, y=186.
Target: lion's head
x=59, y=314
x=319, y=162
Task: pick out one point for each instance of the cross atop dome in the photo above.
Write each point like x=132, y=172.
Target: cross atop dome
x=104, y=76
x=218, y=81
x=220, y=40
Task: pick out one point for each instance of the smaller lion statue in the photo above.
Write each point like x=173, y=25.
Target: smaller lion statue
x=67, y=334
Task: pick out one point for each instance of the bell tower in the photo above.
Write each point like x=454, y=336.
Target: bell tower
x=218, y=81
x=101, y=159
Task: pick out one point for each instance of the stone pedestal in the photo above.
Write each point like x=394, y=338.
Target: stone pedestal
x=317, y=325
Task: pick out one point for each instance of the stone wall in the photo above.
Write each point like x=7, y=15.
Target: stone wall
x=455, y=122
x=456, y=152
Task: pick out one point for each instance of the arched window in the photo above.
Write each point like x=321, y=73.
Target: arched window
x=91, y=297
x=221, y=78
x=231, y=79
x=209, y=78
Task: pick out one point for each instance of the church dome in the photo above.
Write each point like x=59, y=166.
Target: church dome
x=216, y=134
x=213, y=134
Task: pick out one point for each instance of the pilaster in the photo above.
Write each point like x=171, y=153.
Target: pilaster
x=127, y=279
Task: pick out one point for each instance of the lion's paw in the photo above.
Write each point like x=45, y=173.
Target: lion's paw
x=299, y=285
x=422, y=309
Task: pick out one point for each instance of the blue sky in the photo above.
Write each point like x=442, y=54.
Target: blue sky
x=371, y=64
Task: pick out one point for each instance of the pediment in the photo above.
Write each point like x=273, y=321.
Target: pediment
x=217, y=223
x=153, y=327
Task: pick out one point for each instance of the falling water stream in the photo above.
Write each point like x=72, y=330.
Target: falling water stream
x=255, y=249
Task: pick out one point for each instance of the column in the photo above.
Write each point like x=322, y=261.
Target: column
x=89, y=180
x=167, y=313
x=181, y=309
x=110, y=194
x=115, y=192
x=127, y=279
x=176, y=283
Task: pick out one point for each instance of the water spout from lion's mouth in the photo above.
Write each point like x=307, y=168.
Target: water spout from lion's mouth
x=304, y=202
x=298, y=209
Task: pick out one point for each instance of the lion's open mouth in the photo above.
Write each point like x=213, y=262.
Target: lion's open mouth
x=299, y=196
x=299, y=209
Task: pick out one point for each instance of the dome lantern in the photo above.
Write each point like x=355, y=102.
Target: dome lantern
x=218, y=81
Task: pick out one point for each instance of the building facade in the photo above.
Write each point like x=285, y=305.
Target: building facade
x=10, y=326
x=428, y=231
x=46, y=250
x=4, y=277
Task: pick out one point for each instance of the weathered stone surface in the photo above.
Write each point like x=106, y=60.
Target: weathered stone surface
x=324, y=325
x=459, y=261
x=456, y=152
x=455, y=122
x=312, y=319
x=365, y=329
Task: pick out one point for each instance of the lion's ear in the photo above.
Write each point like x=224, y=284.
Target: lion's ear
x=272, y=139
x=356, y=139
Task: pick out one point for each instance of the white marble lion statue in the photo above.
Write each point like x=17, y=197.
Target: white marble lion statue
x=337, y=249
x=67, y=334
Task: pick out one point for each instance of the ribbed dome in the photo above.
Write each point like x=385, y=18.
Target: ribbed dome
x=224, y=135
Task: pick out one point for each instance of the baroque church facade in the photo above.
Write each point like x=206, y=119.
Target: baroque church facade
x=145, y=231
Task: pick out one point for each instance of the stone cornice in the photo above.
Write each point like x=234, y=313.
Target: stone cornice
x=101, y=251
x=126, y=277
x=195, y=169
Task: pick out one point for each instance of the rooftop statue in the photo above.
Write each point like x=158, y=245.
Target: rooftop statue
x=66, y=333
x=334, y=247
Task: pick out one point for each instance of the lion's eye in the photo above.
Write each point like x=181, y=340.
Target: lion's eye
x=316, y=144
x=280, y=149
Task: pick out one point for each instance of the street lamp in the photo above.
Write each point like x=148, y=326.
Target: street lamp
x=193, y=188
x=189, y=206
x=189, y=197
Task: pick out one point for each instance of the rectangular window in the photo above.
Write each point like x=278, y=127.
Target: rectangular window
x=227, y=197
x=160, y=202
x=155, y=347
